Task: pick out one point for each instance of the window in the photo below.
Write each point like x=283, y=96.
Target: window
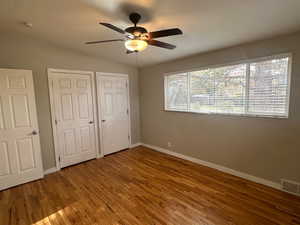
x=177, y=92
x=258, y=88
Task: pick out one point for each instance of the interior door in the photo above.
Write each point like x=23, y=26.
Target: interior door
x=74, y=117
x=20, y=153
x=114, y=112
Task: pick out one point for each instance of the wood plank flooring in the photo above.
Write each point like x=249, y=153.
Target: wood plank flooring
x=141, y=186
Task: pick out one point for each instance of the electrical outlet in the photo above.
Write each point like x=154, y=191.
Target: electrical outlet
x=169, y=144
x=290, y=186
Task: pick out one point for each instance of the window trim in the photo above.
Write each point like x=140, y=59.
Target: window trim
x=248, y=62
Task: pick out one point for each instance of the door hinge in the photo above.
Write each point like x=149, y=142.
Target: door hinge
x=59, y=158
x=127, y=111
x=128, y=137
x=126, y=84
x=55, y=121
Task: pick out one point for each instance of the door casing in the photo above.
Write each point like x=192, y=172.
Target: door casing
x=98, y=75
x=51, y=94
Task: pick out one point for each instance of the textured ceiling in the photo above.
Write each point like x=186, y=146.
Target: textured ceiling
x=207, y=24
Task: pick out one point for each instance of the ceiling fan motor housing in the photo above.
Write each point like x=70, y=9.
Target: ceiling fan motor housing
x=136, y=31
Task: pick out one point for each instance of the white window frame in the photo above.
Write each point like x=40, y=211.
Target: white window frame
x=247, y=62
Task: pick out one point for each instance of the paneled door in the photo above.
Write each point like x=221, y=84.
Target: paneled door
x=113, y=103
x=73, y=109
x=20, y=152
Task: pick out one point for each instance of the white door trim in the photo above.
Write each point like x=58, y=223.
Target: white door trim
x=98, y=74
x=52, y=105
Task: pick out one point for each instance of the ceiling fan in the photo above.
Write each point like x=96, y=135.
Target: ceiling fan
x=138, y=38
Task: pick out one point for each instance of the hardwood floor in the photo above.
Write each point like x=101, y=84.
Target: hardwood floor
x=141, y=186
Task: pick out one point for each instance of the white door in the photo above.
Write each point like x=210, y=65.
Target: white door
x=20, y=152
x=72, y=104
x=113, y=111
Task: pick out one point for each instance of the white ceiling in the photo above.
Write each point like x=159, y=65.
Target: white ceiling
x=207, y=24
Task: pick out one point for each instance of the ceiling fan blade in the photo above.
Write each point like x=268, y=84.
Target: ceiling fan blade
x=165, y=33
x=108, y=25
x=105, y=41
x=161, y=44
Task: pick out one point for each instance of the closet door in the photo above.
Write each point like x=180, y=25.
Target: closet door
x=113, y=98
x=20, y=153
x=74, y=117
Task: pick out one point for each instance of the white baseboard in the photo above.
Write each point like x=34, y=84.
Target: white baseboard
x=217, y=167
x=135, y=145
x=51, y=170
x=201, y=162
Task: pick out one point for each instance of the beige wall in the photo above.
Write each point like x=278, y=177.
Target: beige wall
x=263, y=147
x=21, y=52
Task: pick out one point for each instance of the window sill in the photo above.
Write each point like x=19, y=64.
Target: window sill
x=228, y=114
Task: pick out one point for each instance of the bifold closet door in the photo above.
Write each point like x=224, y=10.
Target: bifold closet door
x=72, y=102
x=20, y=152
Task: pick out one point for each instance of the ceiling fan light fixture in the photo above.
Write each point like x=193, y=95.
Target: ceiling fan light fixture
x=136, y=45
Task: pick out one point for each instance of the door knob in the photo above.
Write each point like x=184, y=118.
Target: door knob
x=34, y=132
x=91, y=122
x=103, y=121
